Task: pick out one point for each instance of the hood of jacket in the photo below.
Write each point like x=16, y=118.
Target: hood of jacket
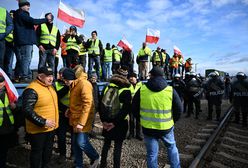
x=120, y=81
x=156, y=84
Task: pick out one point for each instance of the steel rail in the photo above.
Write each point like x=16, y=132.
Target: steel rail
x=200, y=158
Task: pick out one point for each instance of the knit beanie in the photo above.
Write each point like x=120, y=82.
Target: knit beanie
x=157, y=71
x=122, y=72
x=133, y=74
x=23, y=3
x=68, y=74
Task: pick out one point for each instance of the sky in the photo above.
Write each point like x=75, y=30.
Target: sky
x=214, y=33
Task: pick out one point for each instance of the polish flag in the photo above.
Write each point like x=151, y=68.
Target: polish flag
x=10, y=88
x=70, y=15
x=123, y=43
x=177, y=50
x=152, y=36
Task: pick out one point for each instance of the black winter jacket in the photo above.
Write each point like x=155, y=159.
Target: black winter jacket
x=121, y=124
x=157, y=84
x=24, y=32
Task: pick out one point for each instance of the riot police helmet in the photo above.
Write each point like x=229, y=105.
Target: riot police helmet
x=177, y=75
x=241, y=75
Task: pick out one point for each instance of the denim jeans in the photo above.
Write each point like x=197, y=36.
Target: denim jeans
x=23, y=60
x=2, y=51
x=82, y=144
x=41, y=149
x=46, y=58
x=152, y=148
x=91, y=62
x=107, y=70
x=8, y=59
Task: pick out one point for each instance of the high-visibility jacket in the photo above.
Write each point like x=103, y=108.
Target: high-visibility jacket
x=174, y=62
x=155, y=108
x=94, y=47
x=188, y=65
x=117, y=54
x=10, y=37
x=6, y=106
x=157, y=56
x=2, y=20
x=46, y=37
x=163, y=57
x=82, y=50
x=72, y=44
x=63, y=46
x=133, y=89
x=64, y=100
x=107, y=55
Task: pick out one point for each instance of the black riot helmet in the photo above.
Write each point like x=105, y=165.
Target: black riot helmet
x=241, y=76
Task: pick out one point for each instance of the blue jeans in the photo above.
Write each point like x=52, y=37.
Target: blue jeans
x=23, y=60
x=107, y=70
x=82, y=144
x=46, y=58
x=152, y=148
x=91, y=62
x=8, y=59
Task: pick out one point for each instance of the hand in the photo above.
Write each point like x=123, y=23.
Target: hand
x=78, y=128
x=50, y=124
x=41, y=48
x=110, y=126
x=54, y=51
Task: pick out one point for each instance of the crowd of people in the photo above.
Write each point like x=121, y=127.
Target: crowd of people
x=55, y=103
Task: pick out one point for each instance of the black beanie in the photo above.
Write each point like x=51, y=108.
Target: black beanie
x=157, y=71
x=23, y=3
x=68, y=74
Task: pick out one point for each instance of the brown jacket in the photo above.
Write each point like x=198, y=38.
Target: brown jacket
x=81, y=103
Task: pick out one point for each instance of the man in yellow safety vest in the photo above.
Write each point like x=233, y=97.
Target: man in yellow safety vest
x=158, y=106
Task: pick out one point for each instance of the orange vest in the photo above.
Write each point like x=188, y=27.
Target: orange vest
x=46, y=107
x=174, y=62
x=63, y=46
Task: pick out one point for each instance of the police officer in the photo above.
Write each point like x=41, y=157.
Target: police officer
x=214, y=88
x=179, y=85
x=239, y=96
x=194, y=89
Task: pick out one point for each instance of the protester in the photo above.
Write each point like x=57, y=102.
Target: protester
x=24, y=38
x=81, y=115
x=107, y=62
x=40, y=105
x=115, y=127
x=8, y=136
x=148, y=102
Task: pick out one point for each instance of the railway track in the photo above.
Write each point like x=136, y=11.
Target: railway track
x=219, y=145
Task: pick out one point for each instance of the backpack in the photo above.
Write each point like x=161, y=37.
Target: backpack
x=110, y=104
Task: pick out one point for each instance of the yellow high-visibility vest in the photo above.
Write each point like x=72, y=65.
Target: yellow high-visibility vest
x=107, y=55
x=2, y=20
x=10, y=37
x=72, y=44
x=117, y=54
x=64, y=100
x=9, y=112
x=82, y=50
x=155, y=108
x=94, y=47
x=47, y=37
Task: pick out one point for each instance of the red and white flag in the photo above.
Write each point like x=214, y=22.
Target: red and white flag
x=10, y=88
x=177, y=50
x=70, y=15
x=123, y=43
x=152, y=36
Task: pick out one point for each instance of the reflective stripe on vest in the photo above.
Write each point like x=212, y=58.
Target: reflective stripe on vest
x=163, y=56
x=107, y=55
x=6, y=106
x=94, y=47
x=64, y=100
x=47, y=37
x=119, y=92
x=82, y=50
x=10, y=37
x=155, y=108
x=72, y=44
x=136, y=88
x=2, y=20
x=117, y=54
